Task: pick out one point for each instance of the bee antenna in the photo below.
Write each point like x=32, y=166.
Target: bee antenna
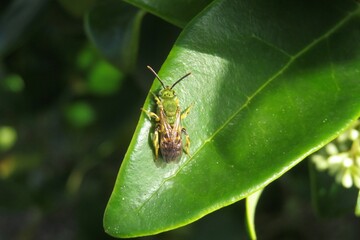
x=152, y=70
x=180, y=80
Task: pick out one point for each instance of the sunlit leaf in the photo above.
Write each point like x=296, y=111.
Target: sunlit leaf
x=272, y=82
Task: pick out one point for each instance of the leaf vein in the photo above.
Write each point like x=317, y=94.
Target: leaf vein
x=272, y=46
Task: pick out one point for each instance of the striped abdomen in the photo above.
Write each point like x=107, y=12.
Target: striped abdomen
x=171, y=145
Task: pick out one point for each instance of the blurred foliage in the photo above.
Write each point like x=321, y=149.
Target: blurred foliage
x=67, y=116
x=114, y=27
x=7, y=137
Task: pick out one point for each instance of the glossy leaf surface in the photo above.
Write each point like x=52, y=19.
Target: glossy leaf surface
x=271, y=82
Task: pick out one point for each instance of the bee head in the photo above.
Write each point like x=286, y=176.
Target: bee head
x=167, y=93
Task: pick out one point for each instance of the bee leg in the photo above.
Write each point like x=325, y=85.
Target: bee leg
x=186, y=112
x=156, y=141
x=158, y=101
x=187, y=141
x=151, y=115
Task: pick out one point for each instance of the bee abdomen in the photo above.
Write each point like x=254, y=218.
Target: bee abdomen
x=171, y=150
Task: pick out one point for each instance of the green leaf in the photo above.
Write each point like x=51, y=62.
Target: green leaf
x=272, y=82
x=114, y=27
x=177, y=12
x=251, y=203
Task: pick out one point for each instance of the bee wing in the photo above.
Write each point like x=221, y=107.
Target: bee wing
x=176, y=129
x=165, y=126
x=171, y=132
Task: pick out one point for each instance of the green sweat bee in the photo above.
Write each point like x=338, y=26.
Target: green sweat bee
x=168, y=130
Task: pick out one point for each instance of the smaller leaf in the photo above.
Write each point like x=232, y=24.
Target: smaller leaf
x=251, y=203
x=114, y=27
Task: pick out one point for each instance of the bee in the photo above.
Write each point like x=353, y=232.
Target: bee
x=168, y=130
